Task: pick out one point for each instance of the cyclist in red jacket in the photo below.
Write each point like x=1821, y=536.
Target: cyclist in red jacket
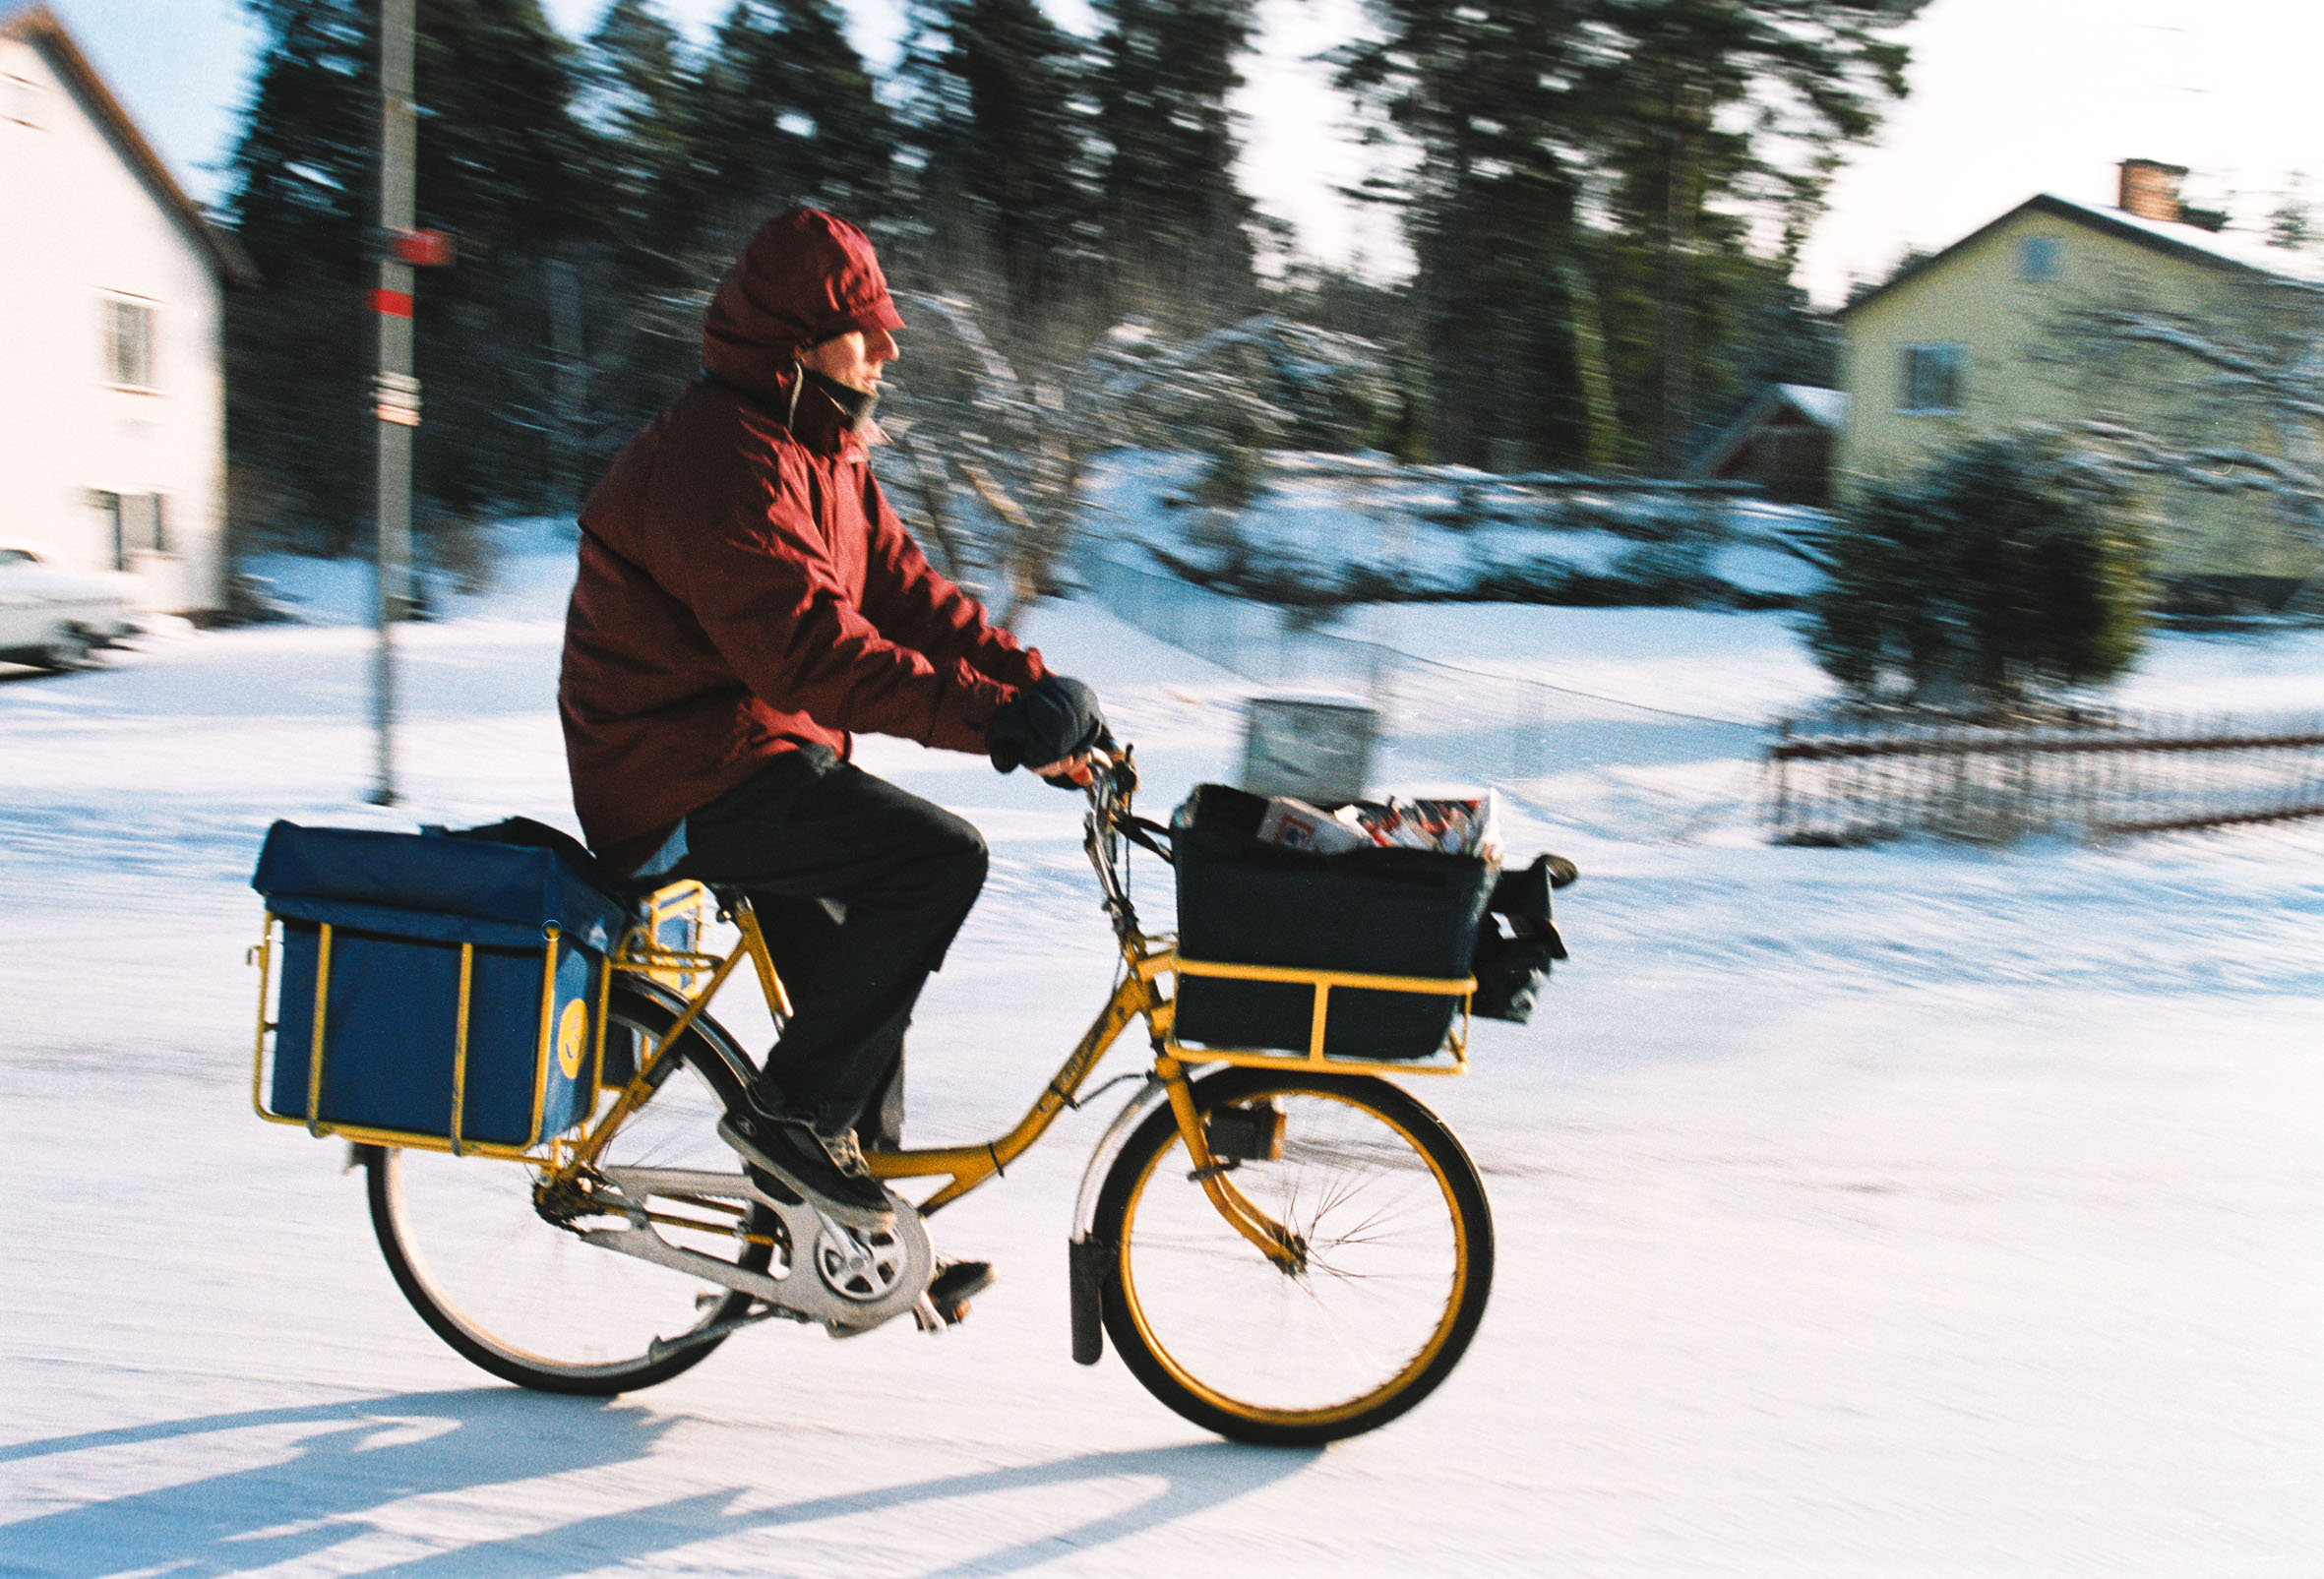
x=747, y=602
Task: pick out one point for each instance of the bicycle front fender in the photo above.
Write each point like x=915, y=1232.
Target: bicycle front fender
x=1150, y=1095
x=1085, y=1261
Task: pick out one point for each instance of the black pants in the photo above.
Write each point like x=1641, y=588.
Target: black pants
x=860, y=887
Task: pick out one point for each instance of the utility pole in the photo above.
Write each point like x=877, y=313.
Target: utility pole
x=396, y=392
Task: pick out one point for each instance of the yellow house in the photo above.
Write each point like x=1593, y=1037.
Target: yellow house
x=1983, y=335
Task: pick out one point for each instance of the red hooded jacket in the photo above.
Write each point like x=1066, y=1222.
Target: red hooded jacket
x=743, y=585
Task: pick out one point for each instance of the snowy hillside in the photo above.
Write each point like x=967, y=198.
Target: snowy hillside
x=1910, y=1211
x=1342, y=522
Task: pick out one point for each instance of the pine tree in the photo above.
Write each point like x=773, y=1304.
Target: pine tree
x=1503, y=318
x=637, y=91
x=296, y=358
x=1177, y=228
x=1003, y=196
x=786, y=114
x=1589, y=180
x=1706, y=111
x=635, y=77
x=501, y=163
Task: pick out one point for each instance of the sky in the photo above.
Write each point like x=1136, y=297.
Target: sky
x=2008, y=97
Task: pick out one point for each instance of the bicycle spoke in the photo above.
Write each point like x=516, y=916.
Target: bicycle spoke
x=1346, y=1331
x=526, y=1296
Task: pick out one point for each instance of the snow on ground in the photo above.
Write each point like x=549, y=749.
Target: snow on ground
x=1909, y=1211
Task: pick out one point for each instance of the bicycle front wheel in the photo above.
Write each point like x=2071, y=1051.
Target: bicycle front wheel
x=530, y=1300
x=1394, y=1261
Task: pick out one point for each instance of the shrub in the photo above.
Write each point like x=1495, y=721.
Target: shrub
x=2011, y=570
x=1232, y=479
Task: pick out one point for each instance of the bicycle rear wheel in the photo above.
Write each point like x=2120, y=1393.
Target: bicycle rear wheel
x=1397, y=1242
x=531, y=1302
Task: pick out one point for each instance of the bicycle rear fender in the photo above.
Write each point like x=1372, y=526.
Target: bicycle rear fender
x=677, y=1002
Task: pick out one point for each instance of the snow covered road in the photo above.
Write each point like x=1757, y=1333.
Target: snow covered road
x=1908, y=1211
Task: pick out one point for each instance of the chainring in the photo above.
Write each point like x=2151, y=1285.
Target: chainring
x=849, y=1283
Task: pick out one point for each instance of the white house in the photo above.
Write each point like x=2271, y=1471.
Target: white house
x=113, y=382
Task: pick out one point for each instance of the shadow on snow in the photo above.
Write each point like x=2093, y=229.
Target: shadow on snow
x=353, y=1459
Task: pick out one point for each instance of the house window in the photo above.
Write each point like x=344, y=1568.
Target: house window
x=2040, y=258
x=143, y=527
x=1933, y=376
x=109, y=514
x=129, y=344
x=20, y=101
x=132, y=523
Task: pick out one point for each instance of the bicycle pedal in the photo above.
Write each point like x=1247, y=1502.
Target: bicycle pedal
x=956, y=1284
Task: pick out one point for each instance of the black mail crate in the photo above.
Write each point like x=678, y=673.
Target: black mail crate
x=1387, y=912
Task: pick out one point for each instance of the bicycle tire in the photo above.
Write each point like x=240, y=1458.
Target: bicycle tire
x=531, y=1301
x=1399, y=1241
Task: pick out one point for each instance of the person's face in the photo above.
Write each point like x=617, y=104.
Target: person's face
x=854, y=358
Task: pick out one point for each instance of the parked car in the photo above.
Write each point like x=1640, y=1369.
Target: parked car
x=54, y=619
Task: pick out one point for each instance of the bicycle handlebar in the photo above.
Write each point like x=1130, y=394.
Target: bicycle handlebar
x=1112, y=781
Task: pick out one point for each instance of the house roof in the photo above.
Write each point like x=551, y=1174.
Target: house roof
x=1820, y=407
x=36, y=24
x=1826, y=408
x=2239, y=254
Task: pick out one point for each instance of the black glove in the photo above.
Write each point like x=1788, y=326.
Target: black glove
x=1046, y=723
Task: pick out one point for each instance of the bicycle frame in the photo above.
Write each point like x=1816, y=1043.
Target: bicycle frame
x=1137, y=996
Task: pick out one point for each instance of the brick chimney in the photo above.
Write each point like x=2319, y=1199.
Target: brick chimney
x=2150, y=190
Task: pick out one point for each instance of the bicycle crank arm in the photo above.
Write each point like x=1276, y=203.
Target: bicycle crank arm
x=662, y=1348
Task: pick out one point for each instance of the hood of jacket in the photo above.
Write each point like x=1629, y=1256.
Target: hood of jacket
x=805, y=276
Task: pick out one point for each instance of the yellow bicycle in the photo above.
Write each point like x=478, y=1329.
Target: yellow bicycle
x=1284, y=1247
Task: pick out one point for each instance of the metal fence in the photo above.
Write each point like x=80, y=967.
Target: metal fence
x=1487, y=726
x=2111, y=775
x=2117, y=775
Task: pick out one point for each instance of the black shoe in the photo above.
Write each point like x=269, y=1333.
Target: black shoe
x=956, y=1282
x=830, y=1172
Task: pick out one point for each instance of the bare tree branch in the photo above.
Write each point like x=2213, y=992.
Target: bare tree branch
x=2277, y=378
x=2290, y=383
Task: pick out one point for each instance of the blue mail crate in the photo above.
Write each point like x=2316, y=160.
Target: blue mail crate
x=402, y=911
